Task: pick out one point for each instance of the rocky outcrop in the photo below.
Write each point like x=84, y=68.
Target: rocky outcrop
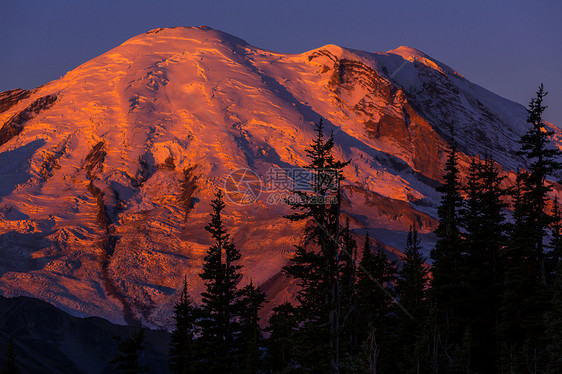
x=10, y=98
x=15, y=124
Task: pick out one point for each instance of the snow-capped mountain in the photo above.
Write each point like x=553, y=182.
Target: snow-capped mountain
x=107, y=173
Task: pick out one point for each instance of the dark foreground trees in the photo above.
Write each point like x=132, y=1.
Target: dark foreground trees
x=317, y=264
x=527, y=292
x=182, y=350
x=345, y=310
x=489, y=303
x=494, y=293
x=411, y=290
x=127, y=360
x=219, y=324
x=222, y=334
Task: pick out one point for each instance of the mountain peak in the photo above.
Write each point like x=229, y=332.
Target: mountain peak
x=332, y=50
x=415, y=55
x=179, y=33
x=157, y=30
x=404, y=50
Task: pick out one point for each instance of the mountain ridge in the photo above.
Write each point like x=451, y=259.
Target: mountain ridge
x=105, y=191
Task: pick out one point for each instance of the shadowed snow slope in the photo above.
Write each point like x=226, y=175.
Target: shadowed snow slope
x=107, y=173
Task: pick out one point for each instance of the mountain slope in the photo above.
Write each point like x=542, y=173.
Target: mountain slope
x=107, y=173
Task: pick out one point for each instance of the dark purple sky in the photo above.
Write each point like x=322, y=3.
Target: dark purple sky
x=507, y=46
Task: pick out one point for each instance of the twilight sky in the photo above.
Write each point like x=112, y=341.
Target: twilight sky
x=506, y=46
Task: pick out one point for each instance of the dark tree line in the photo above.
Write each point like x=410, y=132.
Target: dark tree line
x=495, y=289
x=222, y=335
x=490, y=302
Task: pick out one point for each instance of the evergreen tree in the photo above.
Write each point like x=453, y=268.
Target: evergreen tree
x=520, y=287
x=542, y=160
x=348, y=295
x=183, y=336
x=127, y=360
x=377, y=319
x=10, y=366
x=555, y=255
x=485, y=226
x=316, y=265
x=525, y=298
x=448, y=291
x=283, y=325
x=219, y=324
x=312, y=347
x=411, y=289
x=250, y=341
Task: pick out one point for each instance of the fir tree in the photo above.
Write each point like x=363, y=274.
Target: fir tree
x=348, y=295
x=10, y=366
x=219, y=324
x=555, y=255
x=525, y=298
x=250, y=340
x=375, y=305
x=283, y=325
x=183, y=336
x=411, y=289
x=312, y=338
x=316, y=265
x=448, y=292
x=484, y=223
x=543, y=162
x=127, y=360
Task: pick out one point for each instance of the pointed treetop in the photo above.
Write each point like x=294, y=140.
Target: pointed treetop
x=536, y=106
x=216, y=227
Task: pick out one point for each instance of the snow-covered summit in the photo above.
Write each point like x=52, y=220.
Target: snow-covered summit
x=415, y=55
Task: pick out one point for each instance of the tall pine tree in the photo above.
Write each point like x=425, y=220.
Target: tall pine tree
x=348, y=295
x=448, y=289
x=183, y=337
x=219, y=324
x=411, y=289
x=377, y=317
x=316, y=265
x=525, y=298
x=250, y=342
x=484, y=223
x=520, y=287
x=281, y=347
x=543, y=161
x=554, y=256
